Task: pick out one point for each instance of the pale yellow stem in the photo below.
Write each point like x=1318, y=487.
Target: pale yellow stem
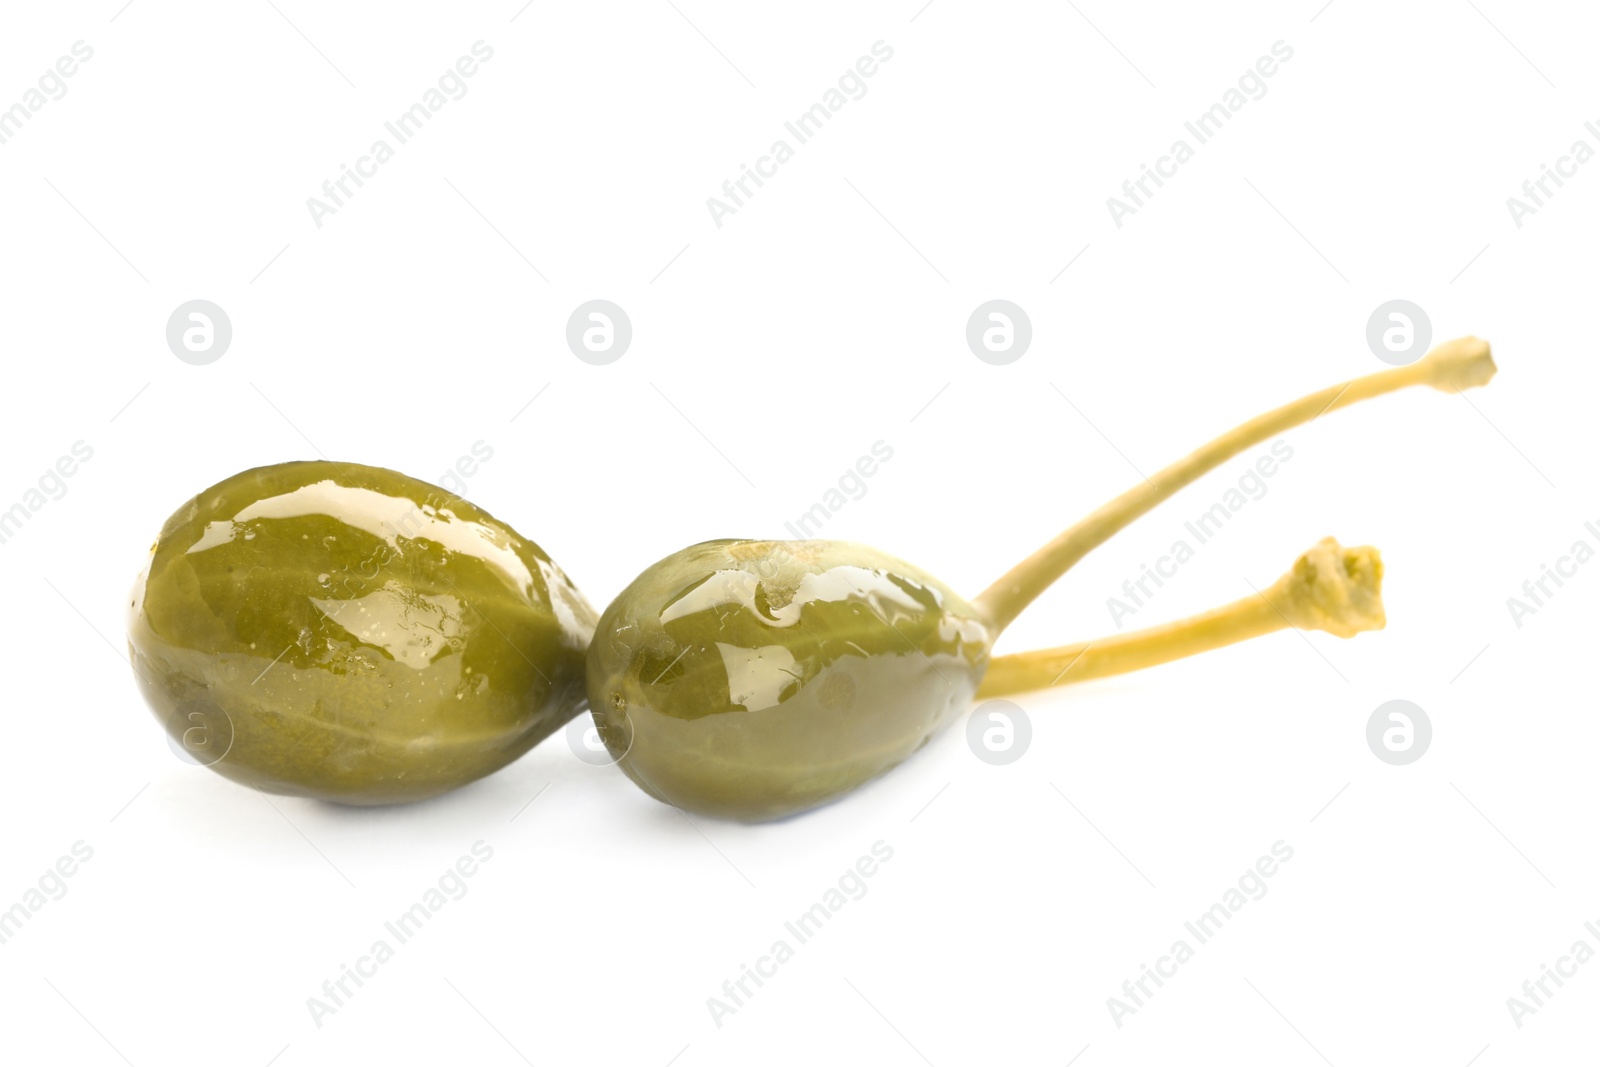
x=1452, y=366
x=1330, y=588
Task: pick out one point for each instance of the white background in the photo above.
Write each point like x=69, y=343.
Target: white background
x=827, y=314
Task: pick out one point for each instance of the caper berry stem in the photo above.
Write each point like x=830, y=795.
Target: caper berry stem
x=1451, y=366
x=1333, y=589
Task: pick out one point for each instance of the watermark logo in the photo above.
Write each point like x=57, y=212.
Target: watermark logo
x=199, y=332
x=51, y=86
x=52, y=485
x=999, y=732
x=1251, y=85
x=1536, y=592
x=852, y=485
x=999, y=332
x=1399, y=332
x=1250, y=886
x=1537, y=192
x=851, y=885
x=1566, y=967
x=199, y=732
x=451, y=85
x=451, y=885
x=599, y=332
x=1252, y=485
x=594, y=741
x=851, y=85
x=1399, y=732
x=51, y=886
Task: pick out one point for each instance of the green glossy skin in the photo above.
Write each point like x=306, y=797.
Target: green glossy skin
x=348, y=633
x=754, y=679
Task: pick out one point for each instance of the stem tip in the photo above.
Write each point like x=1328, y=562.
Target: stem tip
x=1459, y=364
x=1334, y=589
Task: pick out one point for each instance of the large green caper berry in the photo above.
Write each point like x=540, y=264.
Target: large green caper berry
x=754, y=679
x=348, y=633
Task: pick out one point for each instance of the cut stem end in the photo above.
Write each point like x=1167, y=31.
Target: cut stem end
x=1333, y=589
